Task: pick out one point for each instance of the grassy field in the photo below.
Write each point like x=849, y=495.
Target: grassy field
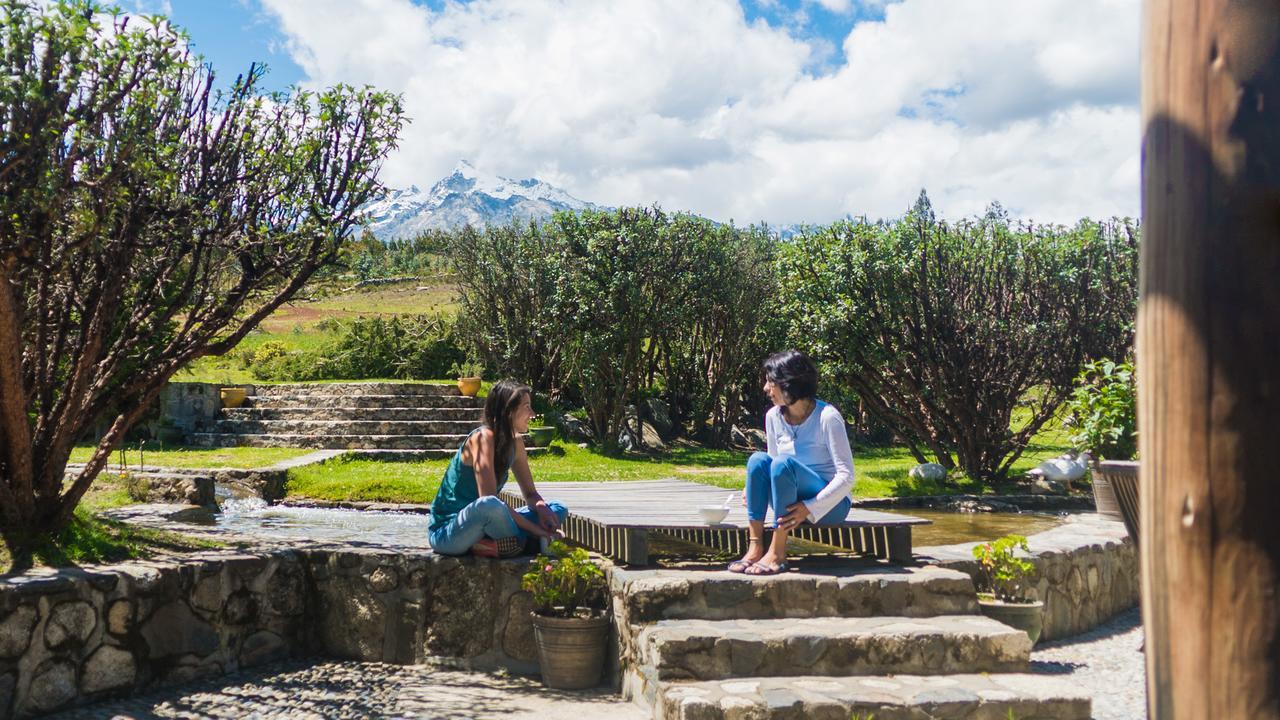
x=879, y=472
x=235, y=457
x=294, y=324
x=90, y=539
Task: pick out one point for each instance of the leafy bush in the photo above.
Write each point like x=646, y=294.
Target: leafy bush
x=1000, y=573
x=945, y=331
x=418, y=347
x=562, y=581
x=1103, y=411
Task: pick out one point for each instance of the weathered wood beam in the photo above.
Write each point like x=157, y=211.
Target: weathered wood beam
x=1209, y=357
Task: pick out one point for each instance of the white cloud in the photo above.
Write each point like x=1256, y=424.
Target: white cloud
x=689, y=105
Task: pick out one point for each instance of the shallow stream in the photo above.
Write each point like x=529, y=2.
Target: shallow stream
x=251, y=516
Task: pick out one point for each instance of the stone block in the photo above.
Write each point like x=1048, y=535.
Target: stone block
x=262, y=647
x=120, y=617
x=517, y=636
x=109, y=668
x=175, y=630
x=15, y=631
x=384, y=579
x=240, y=608
x=70, y=625
x=7, y=684
x=351, y=623
x=52, y=685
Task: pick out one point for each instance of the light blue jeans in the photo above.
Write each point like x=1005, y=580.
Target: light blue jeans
x=487, y=517
x=783, y=481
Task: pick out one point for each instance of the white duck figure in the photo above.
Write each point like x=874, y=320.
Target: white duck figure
x=1064, y=469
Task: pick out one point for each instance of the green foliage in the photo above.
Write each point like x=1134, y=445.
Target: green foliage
x=147, y=220
x=1001, y=573
x=610, y=307
x=563, y=580
x=1103, y=411
x=946, y=332
x=469, y=368
x=409, y=347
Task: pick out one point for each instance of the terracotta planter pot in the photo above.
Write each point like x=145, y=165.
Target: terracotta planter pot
x=571, y=650
x=1115, y=492
x=469, y=386
x=541, y=436
x=232, y=397
x=1027, y=617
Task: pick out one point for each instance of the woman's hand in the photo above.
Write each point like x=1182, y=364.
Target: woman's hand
x=796, y=514
x=546, y=517
x=533, y=528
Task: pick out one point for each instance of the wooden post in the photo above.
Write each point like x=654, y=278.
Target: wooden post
x=1209, y=358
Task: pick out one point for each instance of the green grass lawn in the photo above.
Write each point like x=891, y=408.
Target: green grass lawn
x=233, y=457
x=879, y=472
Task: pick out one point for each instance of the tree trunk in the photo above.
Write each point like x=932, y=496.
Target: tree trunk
x=1209, y=358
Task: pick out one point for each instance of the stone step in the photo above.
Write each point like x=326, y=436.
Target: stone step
x=720, y=649
x=901, y=697
x=474, y=415
x=358, y=388
x=362, y=401
x=842, y=589
x=448, y=443
x=346, y=427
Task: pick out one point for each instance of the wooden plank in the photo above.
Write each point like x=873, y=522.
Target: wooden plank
x=1208, y=368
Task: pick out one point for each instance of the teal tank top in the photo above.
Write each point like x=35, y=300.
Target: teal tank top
x=458, y=488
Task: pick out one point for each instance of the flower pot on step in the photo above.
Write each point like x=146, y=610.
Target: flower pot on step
x=469, y=386
x=1027, y=617
x=1115, y=492
x=232, y=397
x=541, y=436
x=571, y=650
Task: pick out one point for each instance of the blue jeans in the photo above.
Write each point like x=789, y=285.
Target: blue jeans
x=487, y=517
x=784, y=481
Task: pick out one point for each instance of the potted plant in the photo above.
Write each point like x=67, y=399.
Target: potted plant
x=540, y=433
x=1104, y=417
x=233, y=397
x=1002, y=592
x=570, y=636
x=468, y=374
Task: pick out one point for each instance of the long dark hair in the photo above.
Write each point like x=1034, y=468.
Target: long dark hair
x=504, y=397
x=794, y=373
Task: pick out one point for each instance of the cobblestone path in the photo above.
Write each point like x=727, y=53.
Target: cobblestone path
x=1108, y=661
x=328, y=690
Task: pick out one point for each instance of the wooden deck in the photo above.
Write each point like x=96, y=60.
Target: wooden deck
x=616, y=518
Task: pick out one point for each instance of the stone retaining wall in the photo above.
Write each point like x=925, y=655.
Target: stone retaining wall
x=73, y=636
x=1086, y=572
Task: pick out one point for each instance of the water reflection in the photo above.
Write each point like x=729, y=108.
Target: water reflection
x=252, y=516
x=951, y=527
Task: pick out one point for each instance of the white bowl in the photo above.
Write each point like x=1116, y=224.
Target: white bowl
x=713, y=514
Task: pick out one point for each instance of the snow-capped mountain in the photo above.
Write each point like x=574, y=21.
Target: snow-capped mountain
x=467, y=196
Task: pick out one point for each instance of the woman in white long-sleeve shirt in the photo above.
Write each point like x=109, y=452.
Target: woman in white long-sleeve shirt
x=807, y=474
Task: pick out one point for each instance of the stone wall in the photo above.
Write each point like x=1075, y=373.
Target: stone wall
x=193, y=407
x=72, y=636
x=1086, y=572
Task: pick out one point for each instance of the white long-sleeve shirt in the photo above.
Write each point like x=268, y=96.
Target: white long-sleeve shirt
x=820, y=442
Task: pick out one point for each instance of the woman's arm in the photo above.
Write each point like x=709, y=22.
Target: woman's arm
x=837, y=440
x=771, y=432
x=480, y=447
x=524, y=478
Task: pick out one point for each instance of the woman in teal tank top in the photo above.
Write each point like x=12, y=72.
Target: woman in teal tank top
x=466, y=515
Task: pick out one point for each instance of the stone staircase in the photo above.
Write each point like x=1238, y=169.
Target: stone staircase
x=839, y=642
x=416, y=418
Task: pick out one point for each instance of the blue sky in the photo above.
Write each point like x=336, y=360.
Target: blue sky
x=782, y=111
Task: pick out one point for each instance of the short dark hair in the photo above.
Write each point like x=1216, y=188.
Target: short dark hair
x=794, y=373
